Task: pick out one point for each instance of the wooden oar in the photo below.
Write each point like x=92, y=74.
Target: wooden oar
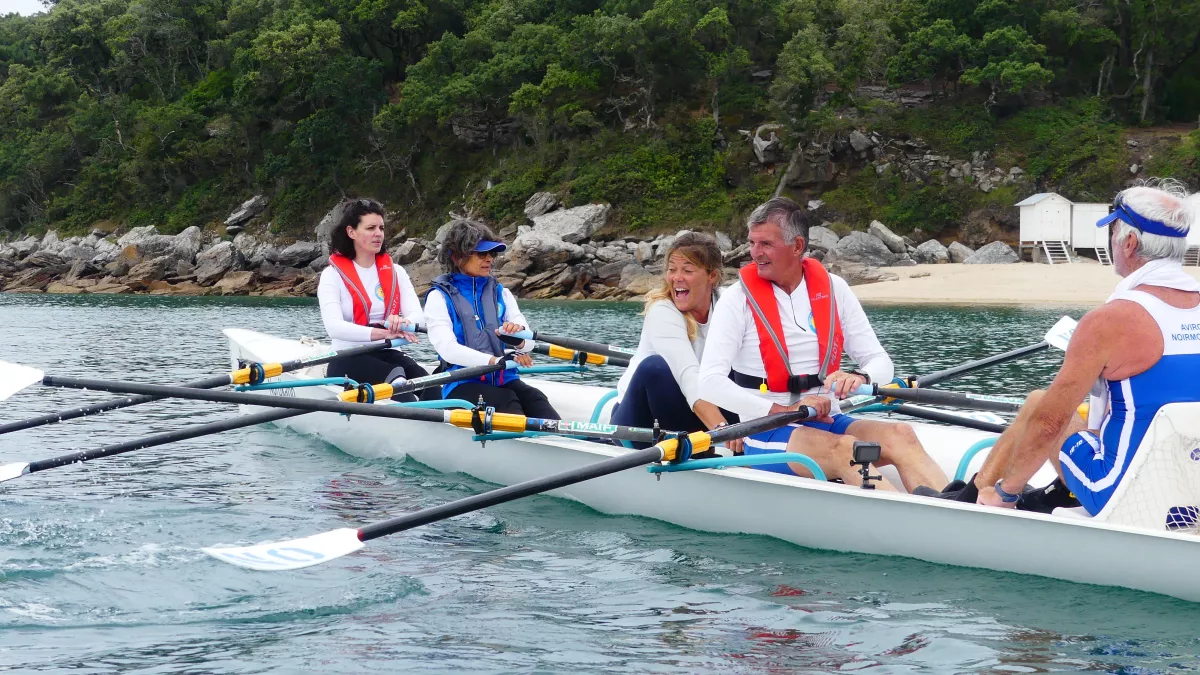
x=482, y=422
x=252, y=374
x=570, y=343
x=320, y=548
x=18, y=469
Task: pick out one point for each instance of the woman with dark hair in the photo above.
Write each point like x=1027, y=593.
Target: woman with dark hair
x=364, y=297
x=466, y=310
x=661, y=383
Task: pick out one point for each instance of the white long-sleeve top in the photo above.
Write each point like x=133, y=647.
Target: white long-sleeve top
x=732, y=344
x=337, y=309
x=664, y=333
x=441, y=329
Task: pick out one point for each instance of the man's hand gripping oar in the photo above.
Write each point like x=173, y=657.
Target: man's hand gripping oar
x=320, y=548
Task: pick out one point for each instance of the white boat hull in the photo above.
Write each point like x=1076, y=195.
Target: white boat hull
x=802, y=511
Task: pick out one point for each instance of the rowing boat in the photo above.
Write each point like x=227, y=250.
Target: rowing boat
x=806, y=512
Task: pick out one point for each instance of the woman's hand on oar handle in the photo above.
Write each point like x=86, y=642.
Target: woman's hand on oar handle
x=521, y=358
x=822, y=404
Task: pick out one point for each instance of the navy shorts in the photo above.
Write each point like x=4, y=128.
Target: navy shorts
x=776, y=440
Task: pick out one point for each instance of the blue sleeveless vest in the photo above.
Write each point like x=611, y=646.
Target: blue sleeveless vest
x=476, y=307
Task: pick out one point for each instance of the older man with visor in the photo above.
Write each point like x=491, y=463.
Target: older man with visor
x=1137, y=352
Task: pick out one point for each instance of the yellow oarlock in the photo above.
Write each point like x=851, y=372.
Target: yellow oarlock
x=242, y=376
x=1083, y=410
x=565, y=354
x=500, y=421
x=890, y=385
x=701, y=441
x=382, y=393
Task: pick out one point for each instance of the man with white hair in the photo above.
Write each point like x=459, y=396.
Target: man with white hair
x=1143, y=345
x=775, y=341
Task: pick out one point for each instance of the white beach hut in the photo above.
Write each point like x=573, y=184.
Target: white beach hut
x=1085, y=234
x=1046, y=224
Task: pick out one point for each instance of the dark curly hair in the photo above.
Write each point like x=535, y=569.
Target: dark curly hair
x=460, y=241
x=352, y=212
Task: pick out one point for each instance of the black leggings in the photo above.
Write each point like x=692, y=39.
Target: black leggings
x=380, y=367
x=514, y=397
x=654, y=395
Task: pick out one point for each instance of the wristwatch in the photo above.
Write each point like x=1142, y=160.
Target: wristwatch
x=861, y=374
x=1006, y=497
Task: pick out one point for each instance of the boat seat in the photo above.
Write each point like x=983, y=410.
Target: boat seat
x=1161, y=488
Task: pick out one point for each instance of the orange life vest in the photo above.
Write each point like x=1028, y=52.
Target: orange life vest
x=388, y=281
x=760, y=296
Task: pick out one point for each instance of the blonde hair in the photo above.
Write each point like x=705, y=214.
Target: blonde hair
x=700, y=250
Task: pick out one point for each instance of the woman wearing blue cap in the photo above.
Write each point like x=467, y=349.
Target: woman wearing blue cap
x=466, y=310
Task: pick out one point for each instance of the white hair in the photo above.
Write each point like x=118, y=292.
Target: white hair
x=1167, y=201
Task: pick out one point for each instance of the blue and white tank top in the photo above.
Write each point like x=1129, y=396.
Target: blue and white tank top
x=1175, y=378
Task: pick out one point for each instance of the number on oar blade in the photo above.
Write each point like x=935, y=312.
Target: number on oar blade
x=291, y=555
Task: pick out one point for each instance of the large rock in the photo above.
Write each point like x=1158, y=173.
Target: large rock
x=35, y=278
x=822, y=239
x=636, y=280
x=249, y=209
x=250, y=249
x=857, y=273
x=958, y=252
x=214, y=263
x=143, y=274
x=235, y=283
x=723, y=241
x=25, y=246
x=864, y=248
x=42, y=258
x=860, y=141
x=572, y=225
x=931, y=253
x=298, y=254
x=50, y=242
x=994, y=253
x=613, y=253
x=737, y=256
x=768, y=148
x=106, y=252
x=541, y=203
x=325, y=227
x=407, y=253
x=421, y=274
x=543, y=250
x=893, y=241
x=187, y=244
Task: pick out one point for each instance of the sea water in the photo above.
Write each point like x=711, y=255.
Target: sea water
x=100, y=568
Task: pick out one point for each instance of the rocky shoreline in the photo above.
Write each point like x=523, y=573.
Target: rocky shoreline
x=558, y=254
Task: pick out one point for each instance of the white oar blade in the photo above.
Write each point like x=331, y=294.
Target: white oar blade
x=1060, y=334
x=14, y=470
x=14, y=377
x=293, y=554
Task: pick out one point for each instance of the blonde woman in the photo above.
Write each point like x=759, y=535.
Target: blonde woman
x=662, y=381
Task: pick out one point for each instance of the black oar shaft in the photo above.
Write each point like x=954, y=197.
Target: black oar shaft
x=268, y=401
x=567, y=354
x=603, y=468
x=507, y=494
x=952, y=398
x=105, y=406
x=207, y=383
x=950, y=418
x=962, y=369
x=583, y=345
x=164, y=438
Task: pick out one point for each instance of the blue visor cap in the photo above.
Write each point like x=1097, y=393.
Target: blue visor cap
x=485, y=246
x=1122, y=212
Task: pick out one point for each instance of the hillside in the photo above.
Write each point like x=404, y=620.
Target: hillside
x=679, y=113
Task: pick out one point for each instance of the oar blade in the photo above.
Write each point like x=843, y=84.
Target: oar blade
x=1060, y=334
x=14, y=377
x=293, y=554
x=14, y=470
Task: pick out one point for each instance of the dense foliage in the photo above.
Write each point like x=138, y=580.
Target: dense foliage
x=169, y=111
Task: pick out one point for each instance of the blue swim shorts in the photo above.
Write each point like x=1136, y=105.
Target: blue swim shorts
x=776, y=440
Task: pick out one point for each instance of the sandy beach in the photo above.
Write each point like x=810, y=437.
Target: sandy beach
x=1076, y=284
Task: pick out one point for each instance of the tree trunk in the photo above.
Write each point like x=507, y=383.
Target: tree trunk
x=1147, y=83
x=715, y=106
